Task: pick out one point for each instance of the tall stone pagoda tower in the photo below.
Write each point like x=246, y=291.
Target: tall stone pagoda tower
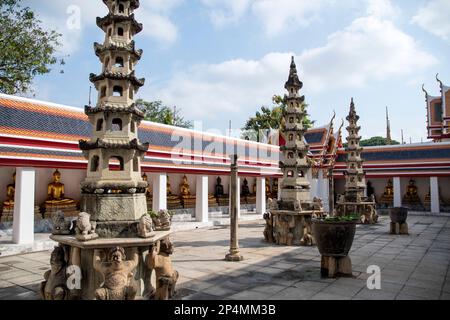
x=288, y=221
x=355, y=181
x=295, y=185
x=354, y=201
x=114, y=191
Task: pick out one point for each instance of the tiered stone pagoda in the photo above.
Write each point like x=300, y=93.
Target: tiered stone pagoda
x=289, y=220
x=114, y=243
x=354, y=201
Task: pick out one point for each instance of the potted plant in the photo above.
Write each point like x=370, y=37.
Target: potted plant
x=334, y=237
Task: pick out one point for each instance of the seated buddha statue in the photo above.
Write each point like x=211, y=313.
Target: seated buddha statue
x=427, y=201
x=245, y=191
x=411, y=197
x=55, y=192
x=387, y=198
x=173, y=201
x=275, y=189
x=268, y=192
x=187, y=199
x=10, y=192
x=148, y=192
x=222, y=198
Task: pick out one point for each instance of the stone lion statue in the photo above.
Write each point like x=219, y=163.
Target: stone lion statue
x=145, y=227
x=85, y=229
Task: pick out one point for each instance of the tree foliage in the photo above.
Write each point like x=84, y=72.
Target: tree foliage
x=156, y=111
x=26, y=49
x=270, y=118
x=375, y=141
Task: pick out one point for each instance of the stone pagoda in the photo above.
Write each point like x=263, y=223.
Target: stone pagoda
x=354, y=201
x=289, y=220
x=114, y=190
x=114, y=243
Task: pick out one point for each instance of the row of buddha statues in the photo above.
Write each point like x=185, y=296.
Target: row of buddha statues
x=410, y=198
x=55, y=201
x=185, y=199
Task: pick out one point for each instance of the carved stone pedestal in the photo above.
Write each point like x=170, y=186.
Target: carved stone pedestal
x=333, y=266
x=289, y=228
x=399, y=228
x=111, y=269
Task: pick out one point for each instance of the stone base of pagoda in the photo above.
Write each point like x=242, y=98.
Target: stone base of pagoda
x=365, y=210
x=74, y=275
x=290, y=228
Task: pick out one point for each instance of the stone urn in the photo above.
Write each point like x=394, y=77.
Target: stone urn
x=334, y=238
x=398, y=214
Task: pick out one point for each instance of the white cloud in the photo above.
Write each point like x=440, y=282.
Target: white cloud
x=277, y=16
x=370, y=49
x=434, y=18
x=382, y=9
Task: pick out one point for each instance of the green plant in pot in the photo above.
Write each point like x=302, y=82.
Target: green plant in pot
x=334, y=237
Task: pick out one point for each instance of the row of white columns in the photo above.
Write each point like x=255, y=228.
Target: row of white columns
x=434, y=194
x=201, y=204
x=23, y=222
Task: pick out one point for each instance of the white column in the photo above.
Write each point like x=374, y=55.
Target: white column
x=201, y=200
x=23, y=223
x=324, y=191
x=397, y=192
x=260, y=195
x=159, y=191
x=238, y=196
x=434, y=190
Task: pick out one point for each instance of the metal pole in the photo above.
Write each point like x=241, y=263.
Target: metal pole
x=234, y=255
x=330, y=191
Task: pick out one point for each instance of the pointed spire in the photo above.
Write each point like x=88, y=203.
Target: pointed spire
x=388, y=128
x=293, y=80
x=352, y=114
x=440, y=82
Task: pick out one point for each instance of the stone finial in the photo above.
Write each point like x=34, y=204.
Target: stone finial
x=293, y=80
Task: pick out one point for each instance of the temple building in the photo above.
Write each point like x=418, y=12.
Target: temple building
x=38, y=139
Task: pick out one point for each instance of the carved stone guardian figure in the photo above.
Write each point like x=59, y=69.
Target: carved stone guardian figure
x=60, y=225
x=118, y=274
x=159, y=260
x=54, y=286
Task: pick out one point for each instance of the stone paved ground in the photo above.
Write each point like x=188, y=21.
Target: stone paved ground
x=412, y=267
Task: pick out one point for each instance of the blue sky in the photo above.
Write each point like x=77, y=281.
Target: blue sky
x=220, y=60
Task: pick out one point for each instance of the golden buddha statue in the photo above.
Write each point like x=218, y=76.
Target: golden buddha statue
x=56, y=199
x=148, y=192
x=411, y=197
x=187, y=199
x=268, y=193
x=387, y=198
x=10, y=192
x=173, y=201
x=55, y=192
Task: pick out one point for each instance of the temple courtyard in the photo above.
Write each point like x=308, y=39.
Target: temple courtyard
x=412, y=267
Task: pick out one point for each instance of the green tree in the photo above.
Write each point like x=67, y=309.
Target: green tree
x=156, y=111
x=375, y=141
x=26, y=49
x=269, y=118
